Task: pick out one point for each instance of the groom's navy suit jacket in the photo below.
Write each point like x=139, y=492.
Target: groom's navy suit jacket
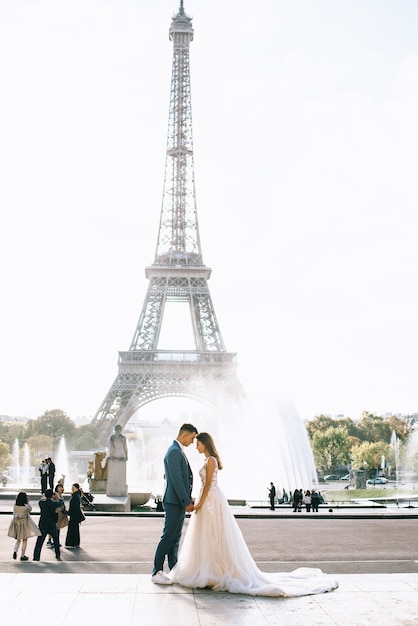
x=178, y=475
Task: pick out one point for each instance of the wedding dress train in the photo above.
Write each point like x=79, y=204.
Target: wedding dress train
x=214, y=554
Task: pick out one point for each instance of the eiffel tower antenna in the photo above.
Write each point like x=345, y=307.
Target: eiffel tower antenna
x=178, y=274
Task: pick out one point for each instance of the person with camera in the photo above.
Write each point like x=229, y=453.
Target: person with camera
x=48, y=524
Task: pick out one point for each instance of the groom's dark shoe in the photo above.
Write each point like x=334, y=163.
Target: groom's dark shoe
x=161, y=579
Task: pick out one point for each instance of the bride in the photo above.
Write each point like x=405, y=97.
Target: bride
x=214, y=553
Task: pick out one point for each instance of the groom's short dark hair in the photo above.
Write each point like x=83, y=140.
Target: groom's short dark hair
x=188, y=428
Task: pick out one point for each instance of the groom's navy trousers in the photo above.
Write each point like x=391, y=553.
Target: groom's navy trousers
x=170, y=539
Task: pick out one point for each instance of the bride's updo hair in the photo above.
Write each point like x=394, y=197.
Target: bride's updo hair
x=209, y=444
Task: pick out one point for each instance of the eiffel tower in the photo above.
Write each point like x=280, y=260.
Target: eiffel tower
x=208, y=373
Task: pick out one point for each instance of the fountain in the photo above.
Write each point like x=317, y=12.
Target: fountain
x=62, y=465
x=394, y=442
x=256, y=445
x=15, y=469
x=406, y=469
x=21, y=472
x=25, y=469
x=139, y=472
x=272, y=444
x=410, y=456
x=297, y=467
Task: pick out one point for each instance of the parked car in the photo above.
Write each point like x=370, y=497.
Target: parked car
x=380, y=480
x=321, y=479
x=331, y=477
x=346, y=477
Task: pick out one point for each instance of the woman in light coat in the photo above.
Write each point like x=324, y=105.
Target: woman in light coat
x=22, y=526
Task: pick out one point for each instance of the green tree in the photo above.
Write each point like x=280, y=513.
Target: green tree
x=12, y=430
x=55, y=424
x=319, y=424
x=4, y=455
x=40, y=446
x=401, y=427
x=322, y=422
x=368, y=456
x=350, y=426
x=374, y=428
x=331, y=448
x=85, y=438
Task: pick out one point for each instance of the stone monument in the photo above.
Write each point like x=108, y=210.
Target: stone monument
x=116, y=464
x=97, y=473
x=358, y=479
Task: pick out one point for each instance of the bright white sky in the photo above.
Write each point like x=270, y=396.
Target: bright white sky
x=305, y=135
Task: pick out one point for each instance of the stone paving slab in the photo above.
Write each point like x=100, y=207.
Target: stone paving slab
x=125, y=600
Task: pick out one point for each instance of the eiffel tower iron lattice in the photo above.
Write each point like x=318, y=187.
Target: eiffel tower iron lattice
x=208, y=373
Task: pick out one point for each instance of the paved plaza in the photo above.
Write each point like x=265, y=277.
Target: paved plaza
x=372, y=553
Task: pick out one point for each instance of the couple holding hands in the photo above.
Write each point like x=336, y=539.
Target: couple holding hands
x=214, y=553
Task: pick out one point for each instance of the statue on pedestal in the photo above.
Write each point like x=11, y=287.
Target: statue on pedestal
x=118, y=448
x=116, y=464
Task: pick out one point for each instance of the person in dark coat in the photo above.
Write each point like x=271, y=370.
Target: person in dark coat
x=297, y=500
x=48, y=524
x=272, y=495
x=76, y=516
x=51, y=472
x=315, y=500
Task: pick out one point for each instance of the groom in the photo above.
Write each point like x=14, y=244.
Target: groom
x=176, y=501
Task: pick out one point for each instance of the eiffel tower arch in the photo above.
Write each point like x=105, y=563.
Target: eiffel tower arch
x=208, y=373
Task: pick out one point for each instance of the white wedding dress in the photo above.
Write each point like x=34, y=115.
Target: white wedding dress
x=214, y=554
